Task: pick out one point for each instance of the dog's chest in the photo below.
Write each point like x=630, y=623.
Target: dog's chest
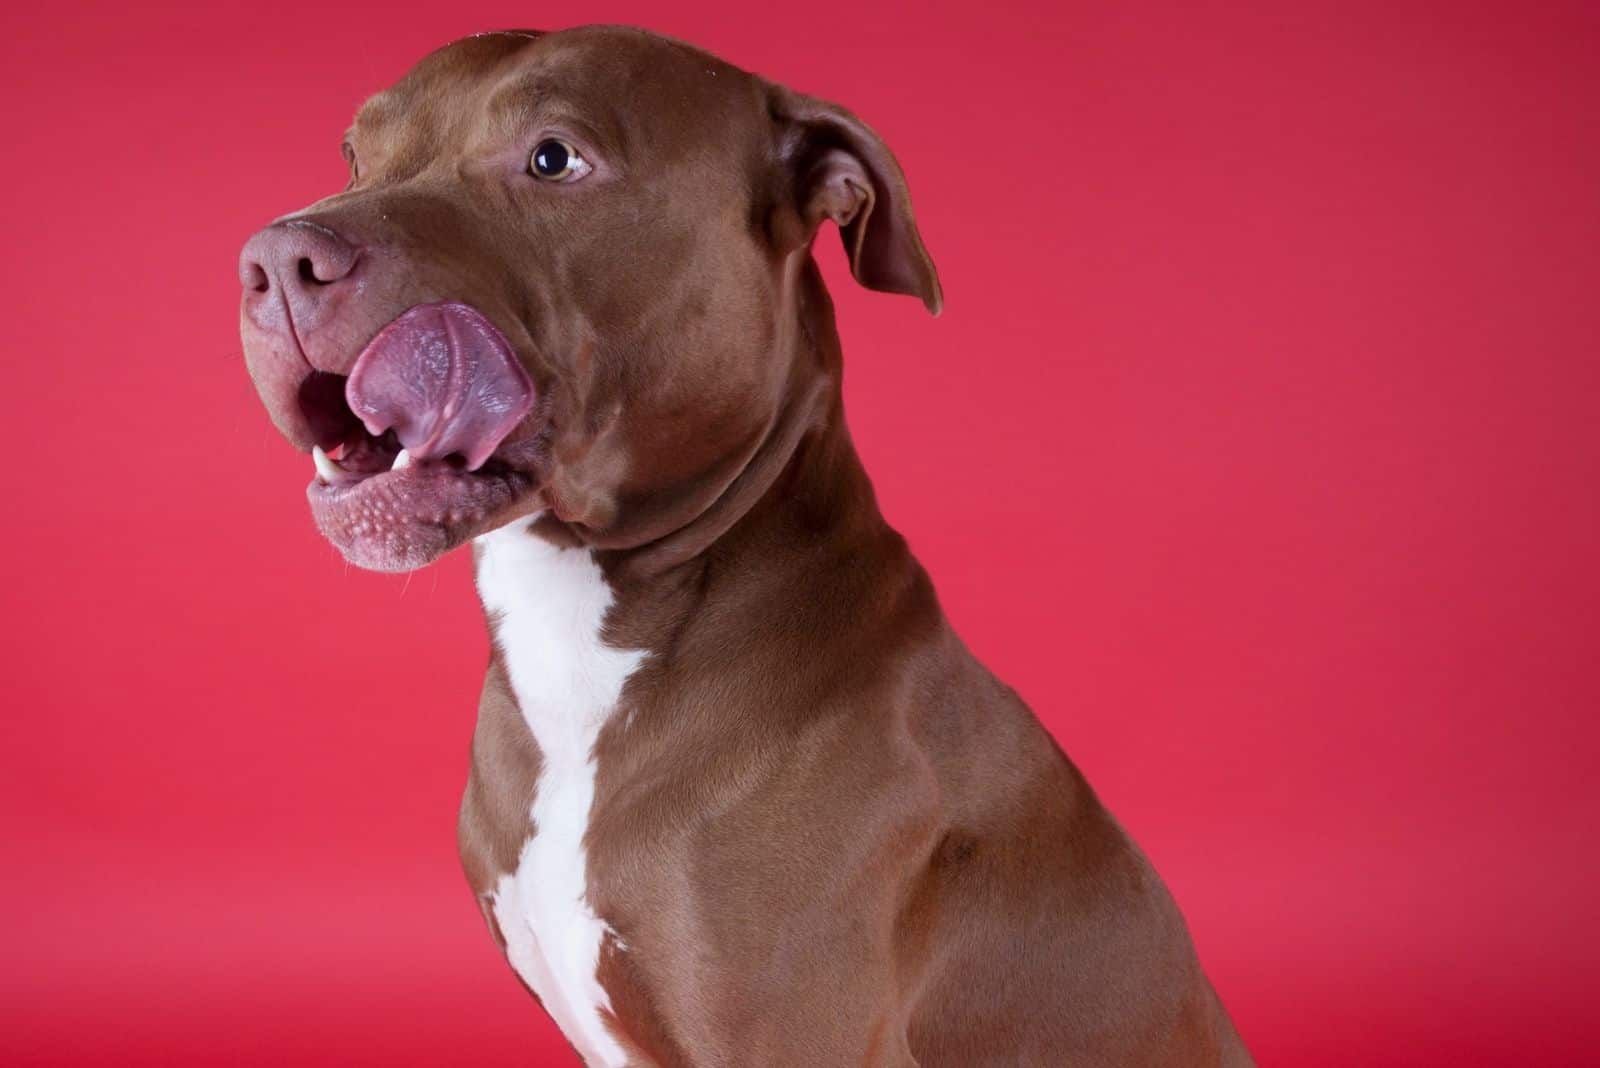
x=548, y=605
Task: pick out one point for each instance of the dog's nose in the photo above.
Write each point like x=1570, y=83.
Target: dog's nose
x=292, y=272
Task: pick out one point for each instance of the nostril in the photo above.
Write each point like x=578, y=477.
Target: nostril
x=256, y=279
x=324, y=273
x=295, y=262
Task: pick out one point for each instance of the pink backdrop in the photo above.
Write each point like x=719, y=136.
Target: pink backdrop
x=1257, y=447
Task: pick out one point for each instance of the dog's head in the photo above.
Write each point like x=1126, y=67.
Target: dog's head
x=570, y=274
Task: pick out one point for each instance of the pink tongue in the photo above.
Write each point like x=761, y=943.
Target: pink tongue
x=444, y=380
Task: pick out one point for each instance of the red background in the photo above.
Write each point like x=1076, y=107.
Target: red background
x=1256, y=447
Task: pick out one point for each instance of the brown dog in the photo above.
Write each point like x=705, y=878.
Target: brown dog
x=739, y=796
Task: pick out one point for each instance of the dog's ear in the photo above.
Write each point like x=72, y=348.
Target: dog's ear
x=841, y=170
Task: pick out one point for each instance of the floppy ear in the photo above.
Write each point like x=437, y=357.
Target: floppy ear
x=841, y=170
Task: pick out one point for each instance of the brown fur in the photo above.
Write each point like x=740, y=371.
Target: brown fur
x=827, y=836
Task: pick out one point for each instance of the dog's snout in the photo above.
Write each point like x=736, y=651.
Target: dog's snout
x=290, y=271
x=295, y=277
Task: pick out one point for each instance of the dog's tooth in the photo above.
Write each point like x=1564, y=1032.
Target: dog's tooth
x=327, y=470
x=402, y=461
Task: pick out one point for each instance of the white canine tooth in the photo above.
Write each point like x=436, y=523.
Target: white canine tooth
x=327, y=470
x=402, y=461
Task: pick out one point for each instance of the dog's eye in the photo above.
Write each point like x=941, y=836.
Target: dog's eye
x=349, y=153
x=557, y=161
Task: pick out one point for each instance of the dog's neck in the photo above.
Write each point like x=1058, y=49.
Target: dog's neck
x=782, y=475
x=804, y=484
x=805, y=472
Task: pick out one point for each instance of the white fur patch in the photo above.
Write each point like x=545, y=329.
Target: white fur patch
x=551, y=604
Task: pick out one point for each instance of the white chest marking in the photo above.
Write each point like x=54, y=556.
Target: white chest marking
x=551, y=604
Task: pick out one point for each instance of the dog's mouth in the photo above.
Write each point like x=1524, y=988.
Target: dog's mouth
x=411, y=450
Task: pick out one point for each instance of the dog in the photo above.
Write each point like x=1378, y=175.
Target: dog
x=738, y=794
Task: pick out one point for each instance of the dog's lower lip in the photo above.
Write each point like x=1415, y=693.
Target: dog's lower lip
x=402, y=519
x=426, y=475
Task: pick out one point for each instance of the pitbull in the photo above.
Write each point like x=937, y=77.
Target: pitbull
x=738, y=794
